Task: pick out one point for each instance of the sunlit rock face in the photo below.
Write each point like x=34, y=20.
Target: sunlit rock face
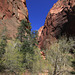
x=11, y=13
x=60, y=20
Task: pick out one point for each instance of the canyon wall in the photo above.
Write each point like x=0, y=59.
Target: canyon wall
x=59, y=21
x=11, y=13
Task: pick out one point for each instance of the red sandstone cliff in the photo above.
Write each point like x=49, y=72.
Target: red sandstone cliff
x=11, y=13
x=60, y=20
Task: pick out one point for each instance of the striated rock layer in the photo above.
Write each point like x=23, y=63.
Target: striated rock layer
x=60, y=20
x=11, y=13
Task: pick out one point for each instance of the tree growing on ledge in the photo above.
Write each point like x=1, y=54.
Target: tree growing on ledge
x=23, y=30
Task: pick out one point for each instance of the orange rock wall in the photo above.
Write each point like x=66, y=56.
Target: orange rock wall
x=11, y=13
x=60, y=20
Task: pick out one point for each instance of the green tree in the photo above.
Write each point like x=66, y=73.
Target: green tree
x=27, y=51
x=34, y=37
x=59, y=57
x=23, y=30
x=39, y=64
x=13, y=58
x=3, y=44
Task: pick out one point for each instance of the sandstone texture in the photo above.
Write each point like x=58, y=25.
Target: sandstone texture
x=11, y=13
x=60, y=20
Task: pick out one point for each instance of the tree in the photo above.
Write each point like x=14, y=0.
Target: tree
x=73, y=63
x=3, y=44
x=38, y=64
x=58, y=56
x=33, y=37
x=13, y=58
x=23, y=30
x=27, y=51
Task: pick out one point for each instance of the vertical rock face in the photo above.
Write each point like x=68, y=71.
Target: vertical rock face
x=60, y=20
x=11, y=13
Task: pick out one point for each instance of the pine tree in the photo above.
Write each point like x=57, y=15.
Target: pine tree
x=23, y=30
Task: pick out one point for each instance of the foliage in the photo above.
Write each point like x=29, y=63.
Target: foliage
x=73, y=63
x=28, y=42
x=2, y=50
x=23, y=30
x=27, y=51
x=13, y=58
x=2, y=46
x=38, y=65
x=22, y=54
x=2, y=43
x=33, y=37
x=59, y=57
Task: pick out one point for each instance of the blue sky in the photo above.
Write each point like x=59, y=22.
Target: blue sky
x=38, y=10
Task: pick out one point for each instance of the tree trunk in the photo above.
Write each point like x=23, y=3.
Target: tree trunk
x=55, y=69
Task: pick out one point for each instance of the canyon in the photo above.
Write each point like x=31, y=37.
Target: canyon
x=27, y=56
x=59, y=21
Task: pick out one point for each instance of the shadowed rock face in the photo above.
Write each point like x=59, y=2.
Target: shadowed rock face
x=60, y=20
x=11, y=13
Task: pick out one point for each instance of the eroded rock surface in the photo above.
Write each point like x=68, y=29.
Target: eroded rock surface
x=60, y=20
x=11, y=13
